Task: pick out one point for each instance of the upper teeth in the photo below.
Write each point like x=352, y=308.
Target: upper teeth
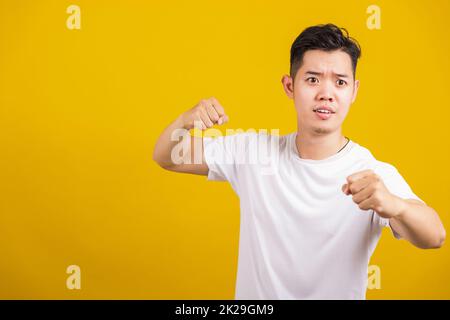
x=323, y=111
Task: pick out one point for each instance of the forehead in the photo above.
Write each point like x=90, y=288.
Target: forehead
x=326, y=62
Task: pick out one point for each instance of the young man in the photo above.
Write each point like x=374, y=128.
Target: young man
x=310, y=225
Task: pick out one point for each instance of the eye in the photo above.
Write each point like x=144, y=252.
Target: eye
x=313, y=80
x=341, y=82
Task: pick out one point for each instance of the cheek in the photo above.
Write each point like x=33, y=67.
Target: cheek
x=304, y=96
x=346, y=95
x=343, y=111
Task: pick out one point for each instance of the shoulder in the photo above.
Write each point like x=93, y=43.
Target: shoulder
x=386, y=171
x=379, y=167
x=384, y=168
x=249, y=139
x=363, y=153
x=247, y=147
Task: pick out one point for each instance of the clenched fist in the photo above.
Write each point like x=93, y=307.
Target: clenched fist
x=370, y=193
x=204, y=115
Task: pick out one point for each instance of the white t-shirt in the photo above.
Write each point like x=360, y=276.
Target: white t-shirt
x=301, y=237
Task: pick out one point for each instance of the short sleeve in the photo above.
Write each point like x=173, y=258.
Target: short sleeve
x=394, y=182
x=383, y=222
x=225, y=155
x=397, y=185
x=220, y=157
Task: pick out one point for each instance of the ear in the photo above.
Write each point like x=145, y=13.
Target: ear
x=288, y=86
x=355, y=90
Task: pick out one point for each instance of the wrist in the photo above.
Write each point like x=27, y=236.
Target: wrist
x=400, y=207
x=179, y=122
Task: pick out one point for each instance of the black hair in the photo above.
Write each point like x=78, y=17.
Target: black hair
x=326, y=37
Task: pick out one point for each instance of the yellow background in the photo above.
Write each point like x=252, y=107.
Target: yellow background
x=80, y=111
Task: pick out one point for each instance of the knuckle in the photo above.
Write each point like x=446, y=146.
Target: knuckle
x=376, y=197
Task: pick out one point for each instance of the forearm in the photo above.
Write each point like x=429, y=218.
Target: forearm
x=162, y=152
x=178, y=150
x=419, y=224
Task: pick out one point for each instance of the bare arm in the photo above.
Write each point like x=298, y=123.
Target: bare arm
x=410, y=218
x=186, y=155
x=419, y=224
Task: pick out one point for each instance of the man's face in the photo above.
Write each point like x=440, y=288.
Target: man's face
x=324, y=80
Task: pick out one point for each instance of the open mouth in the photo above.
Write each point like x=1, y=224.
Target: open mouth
x=323, y=114
x=324, y=111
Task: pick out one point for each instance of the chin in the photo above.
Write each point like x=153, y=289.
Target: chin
x=322, y=130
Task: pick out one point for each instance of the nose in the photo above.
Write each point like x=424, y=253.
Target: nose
x=325, y=93
x=326, y=97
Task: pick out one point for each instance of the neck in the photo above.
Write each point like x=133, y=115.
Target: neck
x=318, y=147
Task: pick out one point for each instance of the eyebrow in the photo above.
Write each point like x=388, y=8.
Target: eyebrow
x=315, y=73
